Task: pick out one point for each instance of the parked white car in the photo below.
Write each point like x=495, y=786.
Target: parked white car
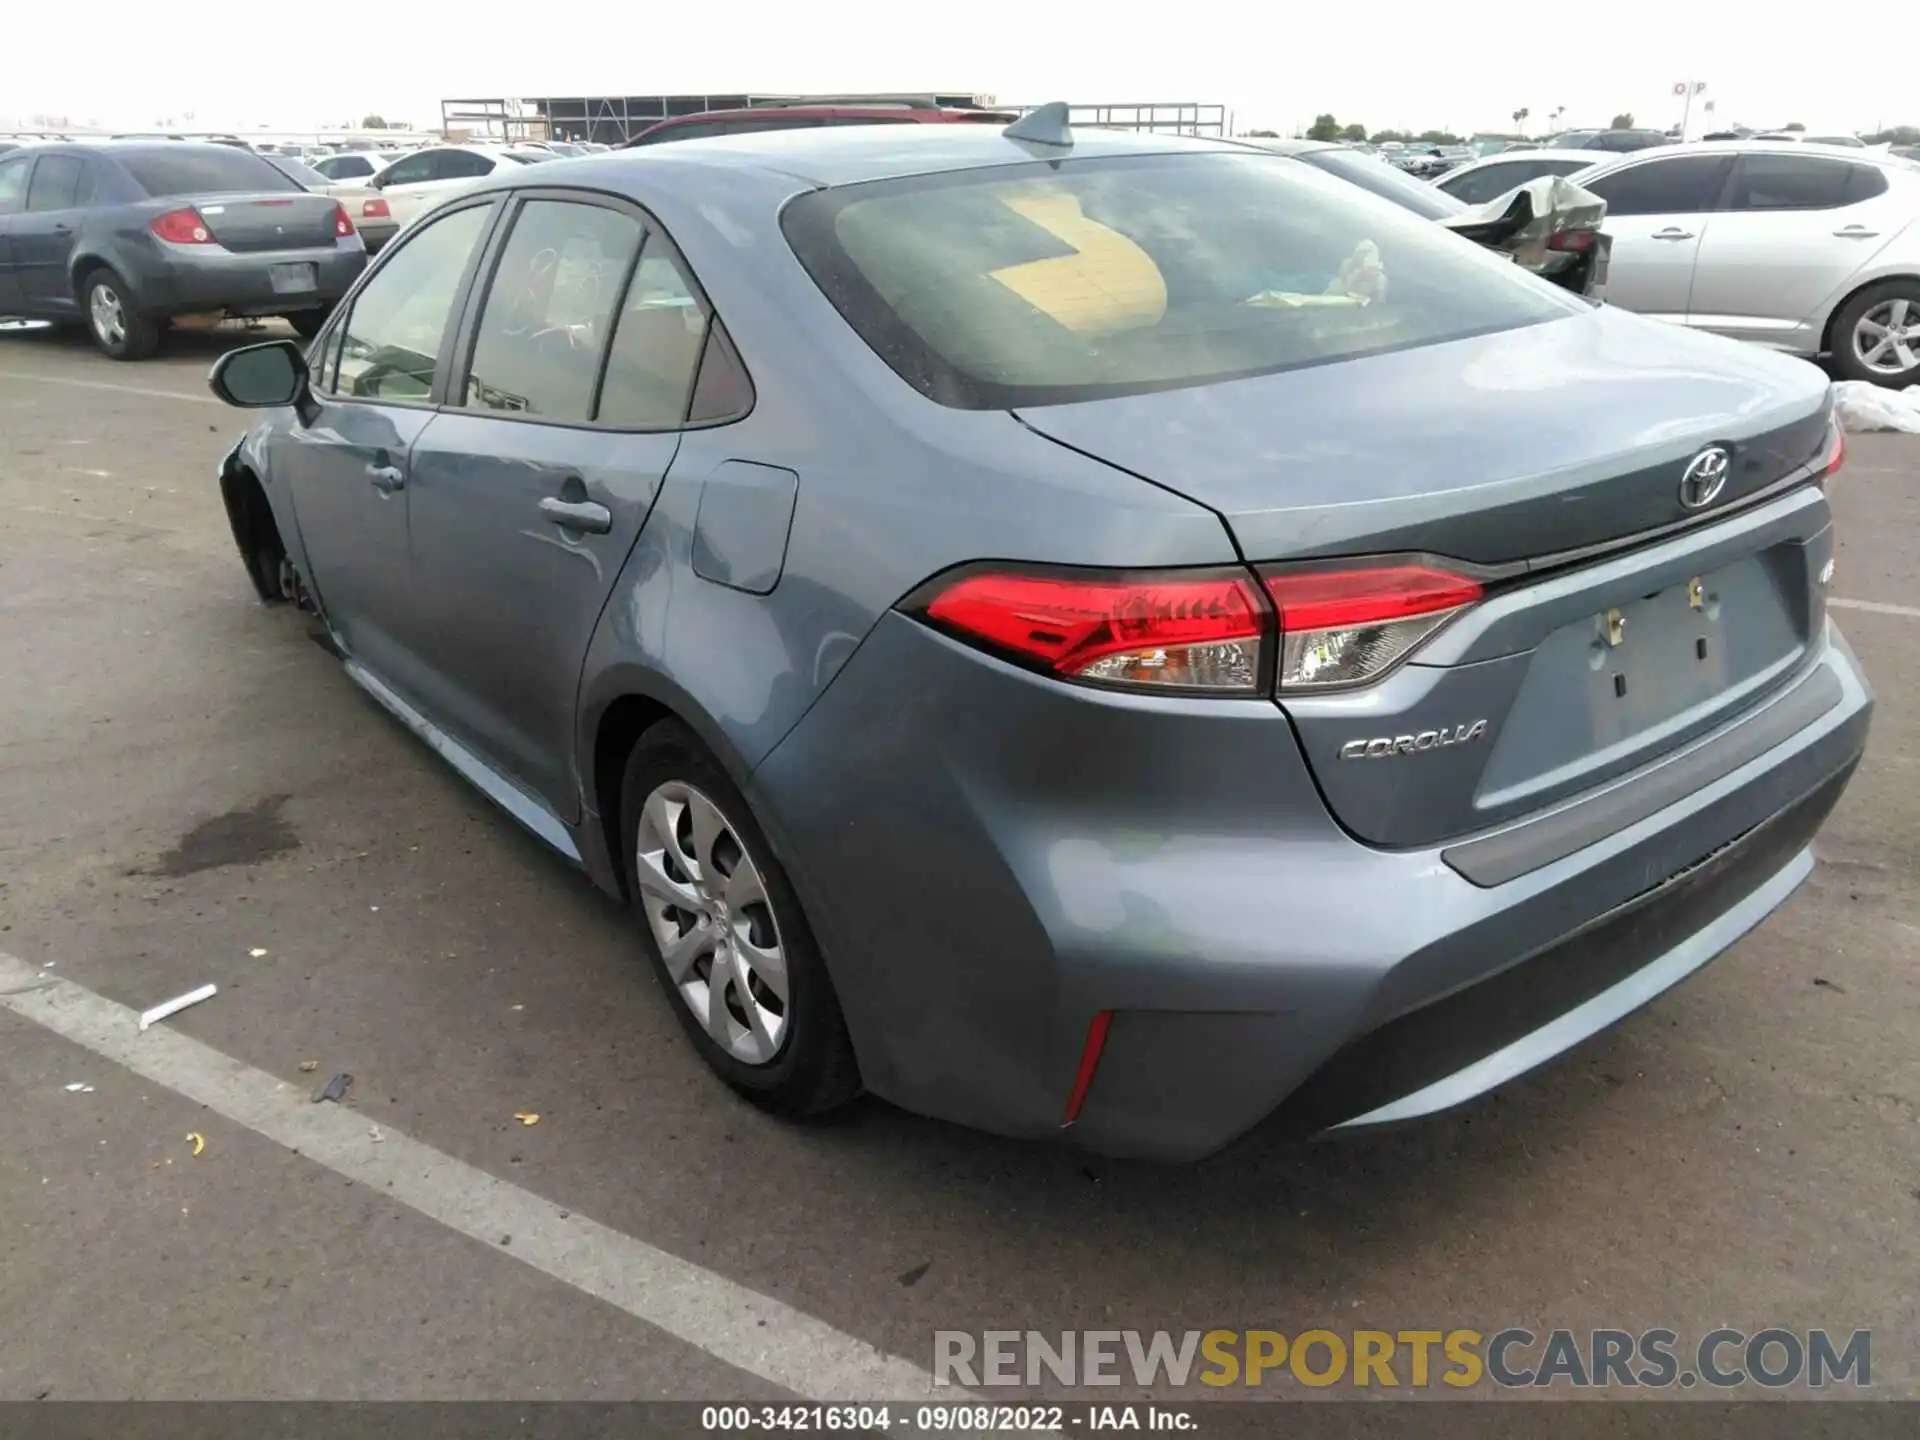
x=421, y=177
x=1489, y=179
x=1804, y=248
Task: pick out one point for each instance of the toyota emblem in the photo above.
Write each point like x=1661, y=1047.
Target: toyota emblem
x=1704, y=478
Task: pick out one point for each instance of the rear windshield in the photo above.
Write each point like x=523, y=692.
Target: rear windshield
x=1379, y=178
x=213, y=170
x=1047, y=283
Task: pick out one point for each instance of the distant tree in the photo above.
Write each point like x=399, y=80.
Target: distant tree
x=1263, y=134
x=1382, y=137
x=1795, y=126
x=1622, y=121
x=1324, y=127
x=1438, y=137
x=1520, y=118
x=1354, y=132
x=1898, y=135
x=373, y=122
x=1554, y=118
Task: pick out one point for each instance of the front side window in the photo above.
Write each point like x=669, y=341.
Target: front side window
x=461, y=165
x=657, y=345
x=1682, y=185
x=414, y=169
x=1046, y=283
x=56, y=182
x=1789, y=182
x=391, y=340
x=549, y=310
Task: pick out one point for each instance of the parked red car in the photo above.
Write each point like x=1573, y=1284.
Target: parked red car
x=808, y=117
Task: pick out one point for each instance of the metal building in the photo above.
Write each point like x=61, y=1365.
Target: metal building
x=612, y=119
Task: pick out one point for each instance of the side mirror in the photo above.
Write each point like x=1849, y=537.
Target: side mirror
x=260, y=377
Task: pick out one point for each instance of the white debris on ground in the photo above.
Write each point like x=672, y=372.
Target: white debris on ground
x=1862, y=405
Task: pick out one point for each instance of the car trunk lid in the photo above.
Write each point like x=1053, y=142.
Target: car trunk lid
x=1618, y=625
x=277, y=221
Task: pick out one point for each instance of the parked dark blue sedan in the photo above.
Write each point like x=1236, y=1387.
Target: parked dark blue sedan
x=1108, y=632
x=126, y=236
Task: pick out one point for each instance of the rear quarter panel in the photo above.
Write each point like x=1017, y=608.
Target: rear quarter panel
x=892, y=490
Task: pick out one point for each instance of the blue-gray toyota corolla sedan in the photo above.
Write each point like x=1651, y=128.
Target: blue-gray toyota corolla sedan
x=1094, y=632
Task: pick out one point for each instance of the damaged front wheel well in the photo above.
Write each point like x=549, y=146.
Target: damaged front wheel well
x=255, y=533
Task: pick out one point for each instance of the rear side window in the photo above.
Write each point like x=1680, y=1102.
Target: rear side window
x=1682, y=185
x=56, y=183
x=1046, y=283
x=549, y=309
x=1790, y=182
x=391, y=344
x=345, y=167
x=657, y=346
x=196, y=170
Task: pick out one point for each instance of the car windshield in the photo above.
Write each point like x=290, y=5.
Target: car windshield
x=202, y=170
x=1047, y=283
x=1386, y=182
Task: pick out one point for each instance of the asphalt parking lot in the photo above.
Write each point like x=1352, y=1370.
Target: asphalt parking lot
x=191, y=792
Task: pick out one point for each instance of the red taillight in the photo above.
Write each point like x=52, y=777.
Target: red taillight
x=1343, y=627
x=374, y=209
x=1577, y=241
x=1836, y=455
x=342, y=226
x=182, y=227
x=1183, y=632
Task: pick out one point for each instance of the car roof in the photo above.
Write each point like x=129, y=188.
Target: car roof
x=1282, y=145
x=859, y=153
x=1800, y=148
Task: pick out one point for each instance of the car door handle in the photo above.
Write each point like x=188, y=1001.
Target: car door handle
x=386, y=478
x=1856, y=232
x=1673, y=232
x=584, y=516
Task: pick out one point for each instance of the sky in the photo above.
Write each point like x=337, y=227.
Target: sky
x=1460, y=65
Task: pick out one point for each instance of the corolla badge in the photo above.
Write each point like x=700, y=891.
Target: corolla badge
x=1705, y=477
x=1381, y=746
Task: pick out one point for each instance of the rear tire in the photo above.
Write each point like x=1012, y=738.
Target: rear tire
x=754, y=943
x=306, y=323
x=117, y=326
x=1873, y=330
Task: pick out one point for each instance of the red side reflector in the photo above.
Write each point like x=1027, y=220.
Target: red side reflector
x=1342, y=599
x=1089, y=1062
x=1070, y=624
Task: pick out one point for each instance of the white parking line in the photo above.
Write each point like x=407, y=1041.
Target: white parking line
x=108, y=385
x=747, y=1330
x=1877, y=607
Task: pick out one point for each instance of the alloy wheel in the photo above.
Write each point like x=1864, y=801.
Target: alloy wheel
x=706, y=904
x=109, y=320
x=1887, y=337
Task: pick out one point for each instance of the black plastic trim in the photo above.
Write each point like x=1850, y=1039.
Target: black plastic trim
x=1508, y=854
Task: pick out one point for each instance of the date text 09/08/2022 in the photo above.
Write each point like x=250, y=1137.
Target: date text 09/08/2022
x=958, y=1418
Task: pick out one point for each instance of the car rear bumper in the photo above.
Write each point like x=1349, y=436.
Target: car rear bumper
x=191, y=279
x=992, y=859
